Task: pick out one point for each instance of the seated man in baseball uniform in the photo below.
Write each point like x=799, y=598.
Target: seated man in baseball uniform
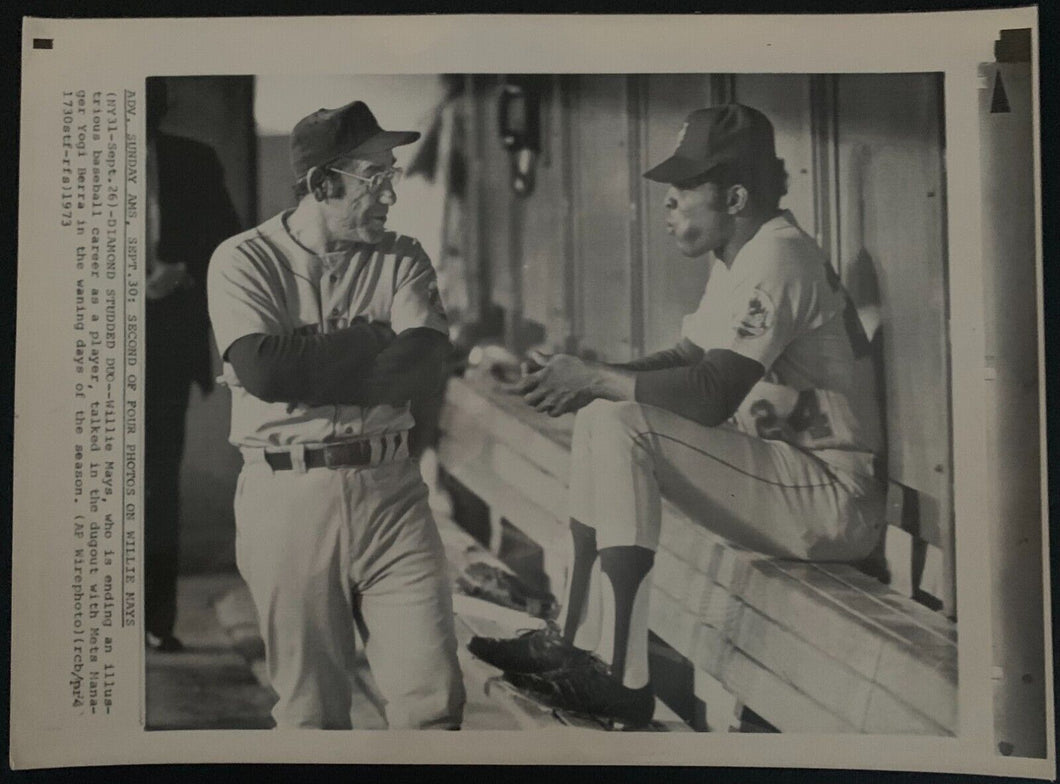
x=761, y=422
x=329, y=325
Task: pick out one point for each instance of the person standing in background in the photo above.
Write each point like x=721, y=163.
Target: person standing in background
x=189, y=213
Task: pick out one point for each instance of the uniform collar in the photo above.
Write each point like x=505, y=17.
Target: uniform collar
x=782, y=220
x=306, y=260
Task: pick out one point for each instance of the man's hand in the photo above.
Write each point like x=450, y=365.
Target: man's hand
x=167, y=278
x=564, y=384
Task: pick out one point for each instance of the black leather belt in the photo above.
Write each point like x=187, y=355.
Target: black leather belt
x=349, y=453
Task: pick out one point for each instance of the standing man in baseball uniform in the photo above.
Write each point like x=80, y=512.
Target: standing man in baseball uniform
x=761, y=422
x=329, y=325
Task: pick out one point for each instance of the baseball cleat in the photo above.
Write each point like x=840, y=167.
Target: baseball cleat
x=533, y=651
x=590, y=689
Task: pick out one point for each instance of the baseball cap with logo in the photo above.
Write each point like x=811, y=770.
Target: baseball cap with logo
x=328, y=134
x=727, y=134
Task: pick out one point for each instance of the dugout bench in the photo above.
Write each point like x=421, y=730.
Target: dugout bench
x=811, y=648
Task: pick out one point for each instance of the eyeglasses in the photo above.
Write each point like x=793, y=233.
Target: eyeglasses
x=375, y=182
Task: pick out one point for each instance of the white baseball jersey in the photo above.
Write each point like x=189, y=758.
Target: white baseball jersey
x=263, y=281
x=781, y=304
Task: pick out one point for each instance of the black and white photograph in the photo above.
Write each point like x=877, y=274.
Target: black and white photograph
x=538, y=393
x=662, y=357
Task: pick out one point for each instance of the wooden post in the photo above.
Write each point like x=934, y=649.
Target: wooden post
x=635, y=111
x=477, y=274
x=825, y=187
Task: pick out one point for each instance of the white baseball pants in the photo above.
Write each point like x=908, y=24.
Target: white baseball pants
x=314, y=547
x=766, y=495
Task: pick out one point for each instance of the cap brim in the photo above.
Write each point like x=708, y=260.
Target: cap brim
x=677, y=169
x=385, y=140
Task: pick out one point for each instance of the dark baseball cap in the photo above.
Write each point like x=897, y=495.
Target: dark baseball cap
x=328, y=134
x=727, y=134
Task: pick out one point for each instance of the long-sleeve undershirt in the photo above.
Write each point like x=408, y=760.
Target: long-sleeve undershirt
x=684, y=353
x=415, y=365
x=704, y=387
x=363, y=364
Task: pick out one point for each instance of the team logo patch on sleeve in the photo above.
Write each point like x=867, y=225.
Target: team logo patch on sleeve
x=755, y=317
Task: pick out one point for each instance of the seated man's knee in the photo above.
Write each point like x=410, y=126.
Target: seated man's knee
x=588, y=414
x=623, y=419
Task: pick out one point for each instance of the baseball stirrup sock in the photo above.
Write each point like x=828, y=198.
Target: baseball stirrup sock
x=626, y=566
x=584, y=555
